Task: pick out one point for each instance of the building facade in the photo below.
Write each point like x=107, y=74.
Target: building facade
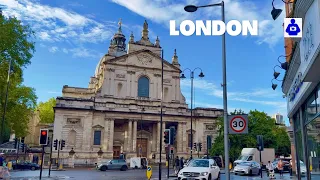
x=279, y=118
x=120, y=110
x=302, y=89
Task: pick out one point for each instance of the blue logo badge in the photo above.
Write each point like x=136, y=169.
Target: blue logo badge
x=293, y=27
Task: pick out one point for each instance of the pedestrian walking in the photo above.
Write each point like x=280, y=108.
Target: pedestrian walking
x=280, y=167
x=1, y=167
x=290, y=167
x=177, y=165
x=269, y=168
x=181, y=163
x=5, y=170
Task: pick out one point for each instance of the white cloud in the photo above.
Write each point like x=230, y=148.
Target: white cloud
x=161, y=11
x=256, y=96
x=53, y=49
x=82, y=52
x=65, y=50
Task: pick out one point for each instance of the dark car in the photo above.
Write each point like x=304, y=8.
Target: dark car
x=286, y=165
x=25, y=166
x=217, y=159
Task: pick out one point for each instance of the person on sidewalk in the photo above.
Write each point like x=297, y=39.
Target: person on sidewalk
x=290, y=167
x=5, y=170
x=176, y=165
x=269, y=168
x=280, y=167
x=181, y=164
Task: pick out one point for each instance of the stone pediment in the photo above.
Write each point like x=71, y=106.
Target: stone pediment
x=142, y=58
x=97, y=126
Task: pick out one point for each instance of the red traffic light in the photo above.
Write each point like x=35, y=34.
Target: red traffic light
x=43, y=133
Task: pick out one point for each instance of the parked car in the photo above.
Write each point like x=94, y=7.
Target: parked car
x=115, y=164
x=247, y=168
x=204, y=169
x=25, y=166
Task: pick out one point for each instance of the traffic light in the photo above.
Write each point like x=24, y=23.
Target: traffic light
x=171, y=150
x=195, y=146
x=172, y=135
x=55, y=144
x=200, y=146
x=166, y=136
x=43, y=137
x=23, y=146
x=15, y=143
x=260, y=145
x=63, y=144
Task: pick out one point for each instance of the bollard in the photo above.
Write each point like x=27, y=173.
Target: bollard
x=9, y=165
x=166, y=163
x=230, y=165
x=61, y=167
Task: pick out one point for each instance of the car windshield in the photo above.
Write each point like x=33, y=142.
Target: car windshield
x=199, y=163
x=243, y=158
x=245, y=164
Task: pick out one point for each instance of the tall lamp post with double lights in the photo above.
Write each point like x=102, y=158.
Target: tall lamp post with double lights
x=193, y=8
x=10, y=71
x=192, y=77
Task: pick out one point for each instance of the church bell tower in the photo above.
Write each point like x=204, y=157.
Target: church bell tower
x=118, y=43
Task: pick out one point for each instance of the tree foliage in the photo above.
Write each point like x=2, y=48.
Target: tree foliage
x=46, y=110
x=16, y=45
x=259, y=124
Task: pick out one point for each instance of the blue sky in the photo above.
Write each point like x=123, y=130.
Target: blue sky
x=72, y=36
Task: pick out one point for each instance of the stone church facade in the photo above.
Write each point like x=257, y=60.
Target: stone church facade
x=120, y=110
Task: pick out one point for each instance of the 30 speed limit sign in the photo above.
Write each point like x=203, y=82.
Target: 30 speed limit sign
x=238, y=124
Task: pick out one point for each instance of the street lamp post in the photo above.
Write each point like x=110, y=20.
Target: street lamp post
x=192, y=8
x=191, y=110
x=10, y=70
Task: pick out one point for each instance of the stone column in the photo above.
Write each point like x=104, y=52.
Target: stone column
x=129, y=147
x=180, y=137
x=134, y=134
x=154, y=137
x=158, y=135
x=163, y=128
x=111, y=131
x=105, y=135
x=112, y=85
x=184, y=137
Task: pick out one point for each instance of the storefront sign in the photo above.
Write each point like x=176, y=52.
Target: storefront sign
x=295, y=89
x=310, y=39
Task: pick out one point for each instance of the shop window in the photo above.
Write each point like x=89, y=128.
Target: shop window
x=313, y=146
x=311, y=108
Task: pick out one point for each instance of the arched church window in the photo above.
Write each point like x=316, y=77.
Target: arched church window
x=143, y=87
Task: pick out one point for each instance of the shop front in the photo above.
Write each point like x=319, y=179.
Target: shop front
x=303, y=96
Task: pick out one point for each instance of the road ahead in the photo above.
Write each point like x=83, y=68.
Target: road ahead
x=90, y=174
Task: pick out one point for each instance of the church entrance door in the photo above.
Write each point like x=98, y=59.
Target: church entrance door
x=116, y=152
x=142, y=147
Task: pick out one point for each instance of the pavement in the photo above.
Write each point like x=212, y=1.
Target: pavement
x=133, y=174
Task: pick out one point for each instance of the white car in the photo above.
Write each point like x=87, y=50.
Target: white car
x=200, y=169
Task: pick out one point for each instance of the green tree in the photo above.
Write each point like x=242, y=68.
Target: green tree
x=17, y=47
x=259, y=124
x=46, y=110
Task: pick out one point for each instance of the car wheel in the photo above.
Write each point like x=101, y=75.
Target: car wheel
x=103, y=168
x=250, y=173
x=209, y=178
x=33, y=168
x=123, y=168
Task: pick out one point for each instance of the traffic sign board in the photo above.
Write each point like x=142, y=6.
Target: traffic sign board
x=238, y=124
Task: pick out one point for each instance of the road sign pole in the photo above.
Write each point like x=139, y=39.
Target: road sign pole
x=168, y=158
x=260, y=165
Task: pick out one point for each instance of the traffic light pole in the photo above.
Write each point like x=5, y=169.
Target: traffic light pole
x=58, y=154
x=198, y=150
x=168, y=158
x=52, y=142
x=41, y=161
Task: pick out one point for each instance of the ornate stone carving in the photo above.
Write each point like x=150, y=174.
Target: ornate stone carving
x=166, y=80
x=120, y=75
x=144, y=59
x=131, y=72
x=111, y=69
x=157, y=75
x=210, y=127
x=73, y=121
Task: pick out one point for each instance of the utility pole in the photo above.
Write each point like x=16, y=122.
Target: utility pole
x=52, y=141
x=161, y=114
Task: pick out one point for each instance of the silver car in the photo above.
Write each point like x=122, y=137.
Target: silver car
x=247, y=168
x=115, y=164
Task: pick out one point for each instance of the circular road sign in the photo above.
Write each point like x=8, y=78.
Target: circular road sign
x=238, y=124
